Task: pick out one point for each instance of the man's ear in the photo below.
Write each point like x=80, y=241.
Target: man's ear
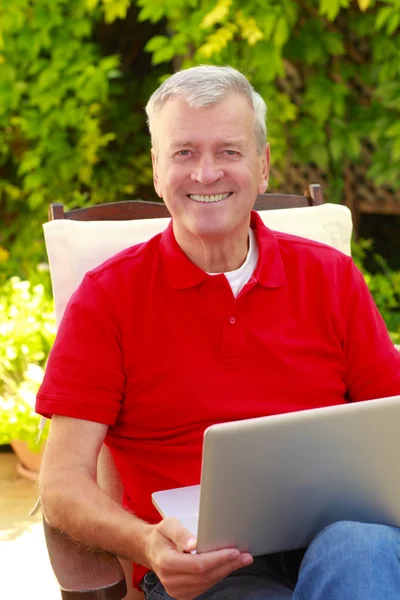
x=264, y=175
x=155, y=173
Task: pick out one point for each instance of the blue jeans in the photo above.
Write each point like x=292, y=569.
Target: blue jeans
x=346, y=561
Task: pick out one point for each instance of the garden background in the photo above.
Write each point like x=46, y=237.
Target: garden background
x=75, y=76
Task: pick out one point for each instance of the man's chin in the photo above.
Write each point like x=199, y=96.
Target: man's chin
x=210, y=230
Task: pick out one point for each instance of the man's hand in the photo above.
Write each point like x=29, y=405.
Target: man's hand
x=184, y=575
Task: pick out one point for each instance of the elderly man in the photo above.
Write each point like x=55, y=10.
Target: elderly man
x=216, y=319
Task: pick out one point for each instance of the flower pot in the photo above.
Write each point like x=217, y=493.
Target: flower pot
x=28, y=461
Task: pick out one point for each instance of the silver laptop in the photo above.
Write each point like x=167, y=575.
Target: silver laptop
x=272, y=483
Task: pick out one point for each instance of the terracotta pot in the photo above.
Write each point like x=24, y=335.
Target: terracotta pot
x=28, y=461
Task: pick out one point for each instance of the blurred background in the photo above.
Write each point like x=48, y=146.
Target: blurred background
x=74, y=78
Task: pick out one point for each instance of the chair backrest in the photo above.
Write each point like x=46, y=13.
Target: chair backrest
x=138, y=209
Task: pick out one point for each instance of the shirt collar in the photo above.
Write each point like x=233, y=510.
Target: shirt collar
x=269, y=270
x=183, y=274
x=180, y=270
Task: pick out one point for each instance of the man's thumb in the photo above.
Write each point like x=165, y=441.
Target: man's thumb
x=178, y=534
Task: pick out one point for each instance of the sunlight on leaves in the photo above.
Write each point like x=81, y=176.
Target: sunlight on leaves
x=364, y=4
x=217, y=15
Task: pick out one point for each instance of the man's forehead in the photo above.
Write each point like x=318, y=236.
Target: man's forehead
x=182, y=123
x=181, y=104
x=229, y=123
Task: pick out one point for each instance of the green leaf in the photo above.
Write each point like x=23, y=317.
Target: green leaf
x=319, y=155
x=394, y=130
x=396, y=150
x=29, y=162
x=353, y=147
x=33, y=180
x=267, y=24
x=35, y=199
x=156, y=43
x=336, y=148
x=164, y=54
x=91, y=4
x=331, y=8
x=282, y=31
x=48, y=78
x=109, y=63
x=364, y=4
x=217, y=15
x=393, y=23
x=115, y=9
x=333, y=43
x=153, y=13
x=383, y=16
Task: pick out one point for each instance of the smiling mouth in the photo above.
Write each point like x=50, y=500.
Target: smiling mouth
x=208, y=199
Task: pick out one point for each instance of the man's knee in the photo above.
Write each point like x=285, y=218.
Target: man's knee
x=351, y=539
x=351, y=560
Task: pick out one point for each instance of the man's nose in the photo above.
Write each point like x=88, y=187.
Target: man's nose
x=207, y=171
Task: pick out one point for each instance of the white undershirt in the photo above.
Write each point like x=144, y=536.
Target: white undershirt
x=238, y=279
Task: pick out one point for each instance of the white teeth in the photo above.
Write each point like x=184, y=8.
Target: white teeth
x=214, y=198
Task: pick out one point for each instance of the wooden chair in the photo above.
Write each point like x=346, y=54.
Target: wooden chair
x=84, y=574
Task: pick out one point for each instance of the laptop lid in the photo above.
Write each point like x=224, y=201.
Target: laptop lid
x=272, y=483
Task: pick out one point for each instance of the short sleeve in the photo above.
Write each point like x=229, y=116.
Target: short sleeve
x=84, y=376
x=372, y=361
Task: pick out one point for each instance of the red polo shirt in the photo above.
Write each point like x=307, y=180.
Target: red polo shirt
x=159, y=350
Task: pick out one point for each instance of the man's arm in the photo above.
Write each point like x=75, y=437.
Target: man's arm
x=71, y=499
x=74, y=503
x=372, y=363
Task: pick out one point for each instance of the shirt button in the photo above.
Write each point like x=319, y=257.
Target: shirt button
x=232, y=320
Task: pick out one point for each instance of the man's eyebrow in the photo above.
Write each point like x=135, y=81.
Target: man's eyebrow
x=239, y=144
x=179, y=145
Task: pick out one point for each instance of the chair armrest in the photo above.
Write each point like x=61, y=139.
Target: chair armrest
x=83, y=574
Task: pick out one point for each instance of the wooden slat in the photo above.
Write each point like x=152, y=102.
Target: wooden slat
x=119, y=211
x=276, y=201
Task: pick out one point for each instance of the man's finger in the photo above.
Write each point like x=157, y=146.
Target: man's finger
x=209, y=562
x=182, y=538
x=226, y=560
x=222, y=570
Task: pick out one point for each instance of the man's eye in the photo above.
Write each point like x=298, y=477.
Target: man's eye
x=231, y=152
x=183, y=152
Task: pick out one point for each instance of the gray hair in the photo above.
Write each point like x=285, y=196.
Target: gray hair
x=204, y=86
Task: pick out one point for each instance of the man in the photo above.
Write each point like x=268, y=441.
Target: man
x=216, y=319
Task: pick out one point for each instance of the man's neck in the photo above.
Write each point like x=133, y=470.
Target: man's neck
x=215, y=255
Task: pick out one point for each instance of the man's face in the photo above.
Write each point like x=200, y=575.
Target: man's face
x=206, y=166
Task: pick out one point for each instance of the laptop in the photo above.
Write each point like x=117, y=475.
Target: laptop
x=272, y=483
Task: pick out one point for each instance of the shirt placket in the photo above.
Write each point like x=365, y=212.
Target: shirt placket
x=234, y=345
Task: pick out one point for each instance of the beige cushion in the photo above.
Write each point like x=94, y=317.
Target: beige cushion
x=75, y=247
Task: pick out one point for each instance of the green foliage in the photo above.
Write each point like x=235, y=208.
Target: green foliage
x=383, y=283
x=329, y=71
x=75, y=75
x=70, y=129
x=27, y=330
